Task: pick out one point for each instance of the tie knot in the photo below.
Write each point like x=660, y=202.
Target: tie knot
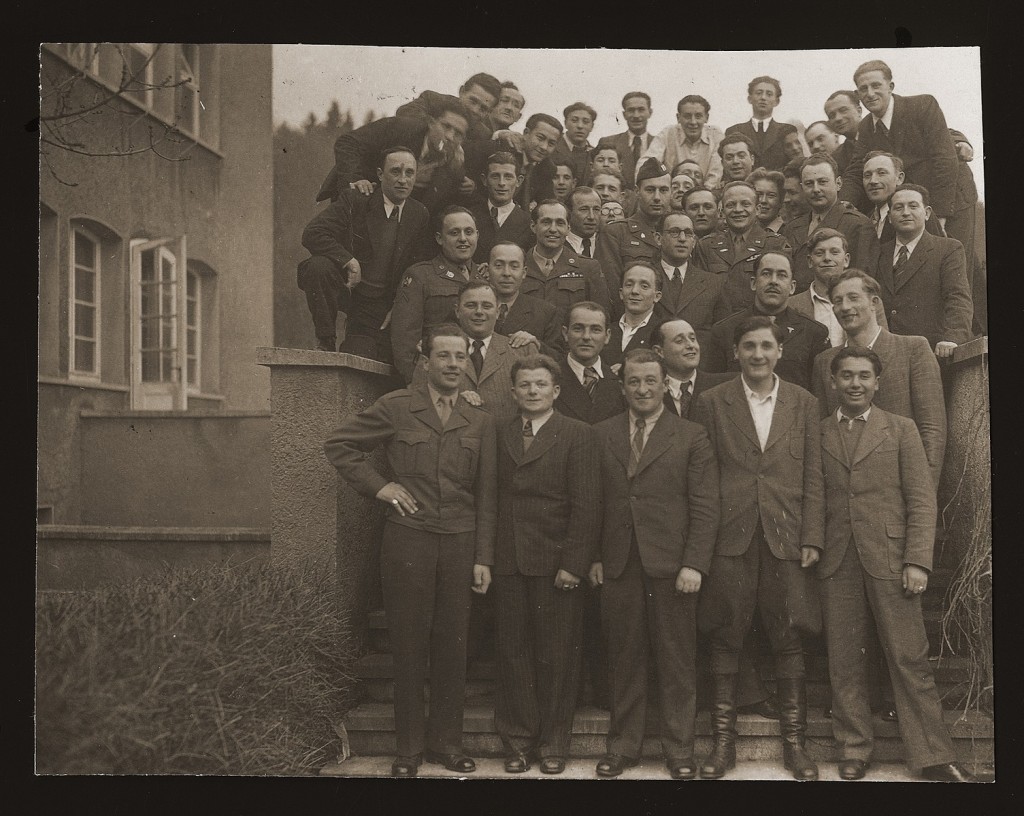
x=590, y=371
x=494, y=213
x=640, y=423
x=675, y=272
x=477, y=345
x=528, y=428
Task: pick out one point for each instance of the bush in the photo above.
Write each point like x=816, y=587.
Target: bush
x=223, y=670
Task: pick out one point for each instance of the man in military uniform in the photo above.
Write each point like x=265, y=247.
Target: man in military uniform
x=735, y=248
x=819, y=175
x=636, y=238
x=429, y=290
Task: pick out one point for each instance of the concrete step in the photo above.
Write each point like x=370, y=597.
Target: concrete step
x=370, y=728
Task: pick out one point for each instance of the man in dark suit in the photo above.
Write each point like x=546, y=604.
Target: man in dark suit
x=843, y=111
x=923, y=277
x=687, y=291
x=549, y=519
x=880, y=533
x=360, y=246
x=883, y=173
x=805, y=338
x=734, y=249
x=677, y=344
x=500, y=218
x=765, y=434
x=636, y=238
x=636, y=111
x=640, y=292
x=436, y=445
x=738, y=157
x=523, y=319
x=588, y=240
x=822, y=139
x=913, y=383
x=478, y=95
x=767, y=135
x=574, y=146
x=535, y=144
x=820, y=178
x=660, y=517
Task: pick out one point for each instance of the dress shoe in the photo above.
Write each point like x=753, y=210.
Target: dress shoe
x=453, y=762
x=614, y=764
x=682, y=768
x=552, y=765
x=888, y=715
x=948, y=772
x=405, y=766
x=517, y=763
x=851, y=769
x=766, y=708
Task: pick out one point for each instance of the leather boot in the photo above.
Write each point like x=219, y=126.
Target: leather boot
x=793, y=726
x=723, y=724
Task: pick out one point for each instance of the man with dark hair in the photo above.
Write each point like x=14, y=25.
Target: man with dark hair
x=611, y=186
x=771, y=532
x=660, y=516
x=682, y=182
x=586, y=237
x=924, y=277
x=632, y=144
x=636, y=238
x=793, y=202
x=822, y=139
x=567, y=175
x=509, y=108
x=843, y=111
x=821, y=182
x=770, y=186
x=701, y=205
x=574, y=145
x=478, y=94
x=883, y=173
x=540, y=136
x=430, y=289
x=675, y=341
x=734, y=249
x=523, y=319
x=690, y=138
x=500, y=218
x=766, y=134
x=549, y=504
x=605, y=157
x=804, y=338
x=880, y=531
x=639, y=292
x=590, y=392
x=438, y=538
x=360, y=245
x=738, y=157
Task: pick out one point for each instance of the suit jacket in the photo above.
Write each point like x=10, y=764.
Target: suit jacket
x=911, y=387
x=353, y=227
x=574, y=402
x=549, y=498
x=623, y=144
x=716, y=254
x=920, y=138
x=606, y=253
x=537, y=184
x=516, y=227
x=844, y=154
x=843, y=216
x=578, y=158
x=933, y=295
x=932, y=225
x=883, y=499
x=805, y=339
x=421, y=455
x=782, y=484
x=573, y=279
x=671, y=503
x=539, y=318
x=701, y=301
x=613, y=353
x=769, y=147
x=704, y=380
x=803, y=305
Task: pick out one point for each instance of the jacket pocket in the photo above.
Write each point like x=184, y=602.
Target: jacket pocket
x=796, y=443
x=896, y=544
x=412, y=452
x=470, y=454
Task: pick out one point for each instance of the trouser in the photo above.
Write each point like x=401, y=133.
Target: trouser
x=426, y=579
x=851, y=598
x=539, y=640
x=595, y=653
x=639, y=612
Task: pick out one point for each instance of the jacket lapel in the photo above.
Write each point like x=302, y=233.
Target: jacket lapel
x=659, y=441
x=513, y=439
x=739, y=413
x=916, y=261
x=692, y=286
x=771, y=136
x=422, y=408
x=782, y=419
x=620, y=439
x=830, y=441
x=884, y=266
x=545, y=439
x=496, y=351
x=375, y=223
x=875, y=433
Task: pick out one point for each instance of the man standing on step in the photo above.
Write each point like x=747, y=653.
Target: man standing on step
x=660, y=520
x=438, y=538
x=765, y=434
x=549, y=518
x=880, y=533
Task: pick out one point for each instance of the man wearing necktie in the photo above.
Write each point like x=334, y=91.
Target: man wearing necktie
x=883, y=173
x=574, y=146
x=676, y=343
x=549, y=506
x=631, y=144
x=523, y=319
x=767, y=135
x=660, y=519
x=500, y=219
x=438, y=539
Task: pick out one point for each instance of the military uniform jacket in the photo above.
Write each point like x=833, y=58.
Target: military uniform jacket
x=633, y=240
x=549, y=498
x=450, y=471
x=851, y=222
x=882, y=499
x=716, y=254
x=573, y=279
x=426, y=297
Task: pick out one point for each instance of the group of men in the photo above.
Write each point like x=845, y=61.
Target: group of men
x=630, y=424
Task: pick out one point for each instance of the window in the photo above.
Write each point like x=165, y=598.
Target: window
x=84, y=314
x=158, y=315
x=193, y=329
x=138, y=68
x=186, y=109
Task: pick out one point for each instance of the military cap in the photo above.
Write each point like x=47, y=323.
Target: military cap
x=651, y=168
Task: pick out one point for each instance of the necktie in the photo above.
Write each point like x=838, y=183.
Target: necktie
x=636, y=448
x=546, y=266
x=901, y=261
x=684, y=399
x=881, y=129
x=586, y=248
x=813, y=224
x=477, y=356
x=636, y=149
x=502, y=314
x=494, y=215
x=675, y=285
x=527, y=435
x=760, y=127
x=854, y=429
x=590, y=379
x=444, y=410
x=394, y=214
x=879, y=223
x=738, y=245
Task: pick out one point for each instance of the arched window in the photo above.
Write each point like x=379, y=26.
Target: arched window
x=84, y=304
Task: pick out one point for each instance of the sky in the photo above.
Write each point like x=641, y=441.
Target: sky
x=363, y=78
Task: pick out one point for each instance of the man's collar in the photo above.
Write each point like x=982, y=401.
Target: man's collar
x=576, y=242
x=870, y=345
x=485, y=340
x=753, y=396
x=435, y=395
x=911, y=245
x=816, y=296
x=389, y=205
x=537, y=422
x=627, y=327
x=864, y=415
x=649, y=420
x=885, y=118
x=675, y=385
x=504, y=208
x=578, y=367
x=537, y=256
x=767, y=122
x=668, y=267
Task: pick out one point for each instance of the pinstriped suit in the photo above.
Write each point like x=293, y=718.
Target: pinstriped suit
x=549, y=516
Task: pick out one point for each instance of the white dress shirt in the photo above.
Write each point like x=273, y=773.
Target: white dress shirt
x=864, y=416
x=676, y=388
x=578, y=367
x=870, y=345
x=883, y=216
x=576, y=242
x=762, y=409
x=503, y=211
x=669, y=267
x=886, y=117
x=910, y=245
x=389, y=205
x=767, y=123
x=649, y=423
x=537, y=423
x=628, y=331
x=486, y=344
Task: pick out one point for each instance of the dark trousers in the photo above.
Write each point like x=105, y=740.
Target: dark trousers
x=755, y=580
x=639, y=612
x=426, y=579
x=851, y=598
x=595, y=652
x=540, y=636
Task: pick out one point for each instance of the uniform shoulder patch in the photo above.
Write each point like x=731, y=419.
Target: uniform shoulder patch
x=407, y=281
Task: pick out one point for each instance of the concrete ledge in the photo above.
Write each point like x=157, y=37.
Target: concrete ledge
x=183, y=415
x=978, y=347
x=82, y=533
x=270, y=356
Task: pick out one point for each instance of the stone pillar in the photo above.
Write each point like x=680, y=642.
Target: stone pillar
x=315, y=514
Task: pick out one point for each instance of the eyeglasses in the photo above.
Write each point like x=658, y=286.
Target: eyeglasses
x=675, y=233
